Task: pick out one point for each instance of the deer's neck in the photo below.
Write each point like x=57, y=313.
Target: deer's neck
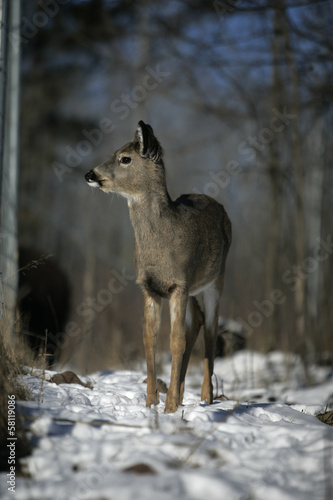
x=149, y=214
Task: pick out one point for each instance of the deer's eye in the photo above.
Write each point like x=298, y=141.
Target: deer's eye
x=125, y=160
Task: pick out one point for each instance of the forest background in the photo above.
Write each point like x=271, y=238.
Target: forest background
x=239, y=94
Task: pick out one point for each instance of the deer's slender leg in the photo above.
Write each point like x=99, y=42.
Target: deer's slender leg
x=193, y=322
x=152, y=314
x=211, y=306
x=178, y=303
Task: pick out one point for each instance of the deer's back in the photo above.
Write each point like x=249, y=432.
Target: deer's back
x=205, y=214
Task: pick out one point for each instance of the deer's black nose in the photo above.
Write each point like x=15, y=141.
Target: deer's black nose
x=90, y=176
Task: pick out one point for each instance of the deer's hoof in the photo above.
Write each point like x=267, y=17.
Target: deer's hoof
x=152, y=401
x=170, y=409
x=171, y=405
x=207, y=395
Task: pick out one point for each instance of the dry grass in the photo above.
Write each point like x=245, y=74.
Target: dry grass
x=14, y=354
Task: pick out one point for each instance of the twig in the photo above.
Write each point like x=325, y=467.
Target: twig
x=43, y=376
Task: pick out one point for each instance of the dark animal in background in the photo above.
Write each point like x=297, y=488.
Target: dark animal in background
x=43, y=301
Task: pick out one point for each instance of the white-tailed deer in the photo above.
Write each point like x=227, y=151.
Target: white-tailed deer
x=181, y=248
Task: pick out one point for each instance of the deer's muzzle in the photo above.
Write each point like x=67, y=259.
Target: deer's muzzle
x=92, y=179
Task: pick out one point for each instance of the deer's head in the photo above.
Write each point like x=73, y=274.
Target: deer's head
x=134, y=169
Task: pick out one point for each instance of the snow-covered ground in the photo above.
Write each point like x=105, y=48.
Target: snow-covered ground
x=104, y=444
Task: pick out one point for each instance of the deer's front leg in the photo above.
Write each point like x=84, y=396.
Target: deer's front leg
x=152, y=314
x=178, y=303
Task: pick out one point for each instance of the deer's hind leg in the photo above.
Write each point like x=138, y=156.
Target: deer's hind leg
x=211, y=296
x=193, y=321
x=178, y=302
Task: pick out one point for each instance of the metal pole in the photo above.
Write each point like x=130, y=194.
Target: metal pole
x=3, y=79
x=9, y=140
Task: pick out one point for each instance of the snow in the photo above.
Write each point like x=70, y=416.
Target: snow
x=264, y=442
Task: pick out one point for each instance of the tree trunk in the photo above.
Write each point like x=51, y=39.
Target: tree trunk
x=298, y=174
x=275, y=176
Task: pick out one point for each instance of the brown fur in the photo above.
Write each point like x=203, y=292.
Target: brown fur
x=181, y=248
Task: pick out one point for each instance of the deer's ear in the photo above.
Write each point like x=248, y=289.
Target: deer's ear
x=149, y=146
x=142, y=137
